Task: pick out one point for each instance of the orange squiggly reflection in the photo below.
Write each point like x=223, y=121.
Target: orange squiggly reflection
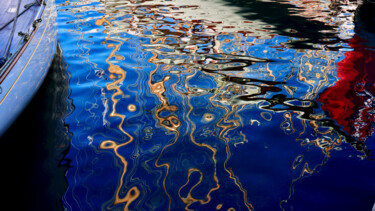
x=189, y=199
x=118, y=75
x=170, y=122
x=133, y=193
x=212, y=149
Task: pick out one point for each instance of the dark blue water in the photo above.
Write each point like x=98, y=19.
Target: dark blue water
x=214, y=105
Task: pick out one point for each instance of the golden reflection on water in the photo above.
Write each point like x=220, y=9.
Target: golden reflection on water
x=118, y=75
x=178, y=57
x=170, y=122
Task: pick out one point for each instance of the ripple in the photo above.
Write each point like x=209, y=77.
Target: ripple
x=202, y=104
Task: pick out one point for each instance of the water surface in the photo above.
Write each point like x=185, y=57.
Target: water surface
x=219, y=105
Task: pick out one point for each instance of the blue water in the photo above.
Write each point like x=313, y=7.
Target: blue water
x=218, y=105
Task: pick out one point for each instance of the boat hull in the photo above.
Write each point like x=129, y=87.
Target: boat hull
x=29, y=70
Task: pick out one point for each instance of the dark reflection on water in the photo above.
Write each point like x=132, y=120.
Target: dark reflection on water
x=33, y=166
x=309, y=21
x=217, y=105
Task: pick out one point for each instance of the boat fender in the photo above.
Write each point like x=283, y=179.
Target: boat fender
x=36, y=22
x=24, y=35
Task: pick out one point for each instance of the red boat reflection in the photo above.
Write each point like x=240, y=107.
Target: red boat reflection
x=351, y=100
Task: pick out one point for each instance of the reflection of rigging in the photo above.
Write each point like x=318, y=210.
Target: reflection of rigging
x=183, y=49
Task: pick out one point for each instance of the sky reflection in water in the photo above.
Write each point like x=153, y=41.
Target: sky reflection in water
x=218, y=105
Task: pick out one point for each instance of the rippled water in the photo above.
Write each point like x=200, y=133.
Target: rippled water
x=219, y=104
